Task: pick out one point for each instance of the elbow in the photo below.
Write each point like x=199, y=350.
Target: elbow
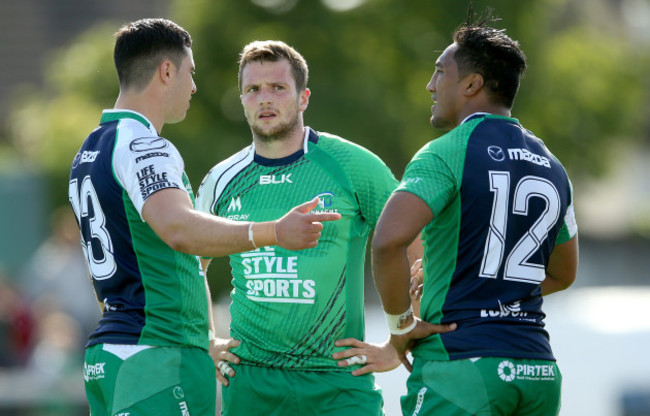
x=567, y=282
x=384, y=245
x=180, y=245
x=177, y=240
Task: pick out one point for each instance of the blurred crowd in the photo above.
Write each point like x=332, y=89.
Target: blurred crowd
x=47, y=310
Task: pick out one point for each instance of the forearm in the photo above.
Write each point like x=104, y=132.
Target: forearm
x=171, y=215
x=551, y=285
x=391, y=271
x=395, y=239
x=212, y=236
x=562, y=267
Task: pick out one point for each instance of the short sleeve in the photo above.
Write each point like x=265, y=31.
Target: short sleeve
x=146, y=165
x=374, y=183
x=569, y=227
x=428, y=177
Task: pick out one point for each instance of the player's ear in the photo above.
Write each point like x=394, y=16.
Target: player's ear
x=304, y=99
x=473, y=83
x=165, y=71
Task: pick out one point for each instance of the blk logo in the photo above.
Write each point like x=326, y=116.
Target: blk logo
x=275, y=179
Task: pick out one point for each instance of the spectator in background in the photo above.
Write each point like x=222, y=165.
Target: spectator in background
x=57, y=274
x=16, y=325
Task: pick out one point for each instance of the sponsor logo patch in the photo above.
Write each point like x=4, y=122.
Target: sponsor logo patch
x=420, y=400
x=325, y=204
x=508, y=372
x=94, y=371
x=151, y=181
x=526, y=155
x=510, y=310
x=184, y=410
x=273, y=278
x=275, y=179
x=148, y=144
x=496, y=153
x=152, y=154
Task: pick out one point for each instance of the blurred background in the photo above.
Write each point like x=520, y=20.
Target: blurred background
x=586, y=94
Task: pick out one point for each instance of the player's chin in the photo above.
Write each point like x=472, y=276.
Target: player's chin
x=178, y=118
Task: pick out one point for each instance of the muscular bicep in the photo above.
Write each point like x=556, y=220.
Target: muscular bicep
x=166, y=212
x=402, y=219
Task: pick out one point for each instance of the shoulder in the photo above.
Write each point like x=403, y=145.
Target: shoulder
x=241, y=158
x=227, y=169
x=136, y=138
x=345, y=151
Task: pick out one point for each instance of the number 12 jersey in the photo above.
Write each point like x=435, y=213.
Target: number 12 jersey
x=501, y=202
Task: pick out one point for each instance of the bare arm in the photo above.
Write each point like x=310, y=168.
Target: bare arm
x=391, y=270
x=394, y=234
x=562, y=267
x=171, y=215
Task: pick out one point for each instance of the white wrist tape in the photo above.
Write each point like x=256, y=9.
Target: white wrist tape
x=250, y=234
x=211, y=335
x=399, y=324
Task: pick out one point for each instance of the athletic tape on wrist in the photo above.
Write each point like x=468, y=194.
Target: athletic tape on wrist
x=211, y=335
x=250, y=234
x=275, y=231
x=397, y=324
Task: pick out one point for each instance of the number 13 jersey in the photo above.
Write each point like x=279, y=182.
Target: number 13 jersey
x=152, y=295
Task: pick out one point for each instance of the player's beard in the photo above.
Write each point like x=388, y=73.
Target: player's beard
x=278, y=133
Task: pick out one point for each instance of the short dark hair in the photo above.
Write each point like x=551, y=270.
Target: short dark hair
x=141, y=46
x=273, y=51
x=491, y=53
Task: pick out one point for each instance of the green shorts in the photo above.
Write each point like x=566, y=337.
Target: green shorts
x=269, y=392
x=138, y=380
x=483, y=387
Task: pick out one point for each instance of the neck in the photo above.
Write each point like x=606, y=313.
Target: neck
x=144, y=104
x=483, y=108
x=277, y=147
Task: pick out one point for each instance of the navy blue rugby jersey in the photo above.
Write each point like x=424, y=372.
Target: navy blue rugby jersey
x=152, y=295
x=501, y=202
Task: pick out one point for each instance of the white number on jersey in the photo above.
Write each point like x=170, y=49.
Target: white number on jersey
x=517, y=267
x=102, y=265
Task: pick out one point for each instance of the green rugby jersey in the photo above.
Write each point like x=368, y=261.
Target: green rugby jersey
x=501, y=201
x=152, y=294
x=288, y=307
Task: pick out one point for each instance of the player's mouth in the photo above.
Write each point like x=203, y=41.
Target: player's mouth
x=264, y=115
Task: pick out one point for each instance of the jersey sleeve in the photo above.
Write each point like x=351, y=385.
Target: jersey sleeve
x=218, y=177
x=569, y=227
x=205, y=195
x=373, y=182
x=146, y=165
x=428, y=177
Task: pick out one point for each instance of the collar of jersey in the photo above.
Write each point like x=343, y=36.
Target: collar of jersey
x=113, y=115
x=310, y=136
x=486, y=115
